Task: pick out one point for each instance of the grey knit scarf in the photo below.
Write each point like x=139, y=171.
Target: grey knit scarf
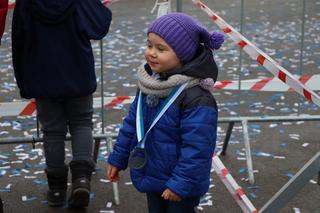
x=162, y=88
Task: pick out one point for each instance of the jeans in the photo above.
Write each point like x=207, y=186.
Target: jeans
x=156, y=204
x=56, y=117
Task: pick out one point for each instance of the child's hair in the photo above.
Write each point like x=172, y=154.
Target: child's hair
x=184, y=34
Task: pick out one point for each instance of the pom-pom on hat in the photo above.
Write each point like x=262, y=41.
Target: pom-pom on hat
x=184, y=34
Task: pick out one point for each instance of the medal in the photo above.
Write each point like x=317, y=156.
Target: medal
x=138, y=156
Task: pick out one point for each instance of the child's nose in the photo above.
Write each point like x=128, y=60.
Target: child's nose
x=152, y=52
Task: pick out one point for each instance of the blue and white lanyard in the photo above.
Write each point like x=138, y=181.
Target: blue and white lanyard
x=141, y=135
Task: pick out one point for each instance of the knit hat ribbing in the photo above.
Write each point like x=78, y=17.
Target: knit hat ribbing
x=184, y=34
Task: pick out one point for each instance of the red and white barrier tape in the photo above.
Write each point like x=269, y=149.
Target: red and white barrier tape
x=12, y=4
x=232, y=186
x=268, y=84
x=262, y=58
x=23, y=108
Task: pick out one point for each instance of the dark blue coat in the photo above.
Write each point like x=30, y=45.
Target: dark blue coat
x=52, y=54
x=180, y=146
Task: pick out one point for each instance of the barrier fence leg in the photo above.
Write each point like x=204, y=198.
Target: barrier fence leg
x=292, y=187
x=179, y=5
x=96, y=149
x=115, y=184
x=227, y=138
x=248, y=150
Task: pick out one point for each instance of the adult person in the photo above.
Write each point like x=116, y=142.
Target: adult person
x=53, y=63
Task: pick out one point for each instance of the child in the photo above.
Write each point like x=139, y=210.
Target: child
x=53, y=63
x=170, y=146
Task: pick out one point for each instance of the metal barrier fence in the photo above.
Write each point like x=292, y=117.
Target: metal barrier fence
x=311, y=168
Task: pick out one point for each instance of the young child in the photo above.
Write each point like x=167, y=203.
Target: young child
x=171, y=145
x=53, y=63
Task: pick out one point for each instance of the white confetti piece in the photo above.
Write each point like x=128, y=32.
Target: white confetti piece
x=296, y=210
x=30, y=177
x=25, y=170
x=279, y=157
x=313, y=181
x=3, y=157
x=239, y=158
x=208, y=203
x=104, y=181
x=109, y=204
x=16, y=162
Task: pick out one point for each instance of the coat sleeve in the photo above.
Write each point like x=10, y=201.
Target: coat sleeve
x=127, y=134
x=198, y=134
x=94, y=19
x=17, y=37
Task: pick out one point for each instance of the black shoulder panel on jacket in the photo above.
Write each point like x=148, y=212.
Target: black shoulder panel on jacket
x=195, y=96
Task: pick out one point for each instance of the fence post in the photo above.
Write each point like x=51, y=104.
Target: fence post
x=240, y=54
x=179, y=5
x=303, y=20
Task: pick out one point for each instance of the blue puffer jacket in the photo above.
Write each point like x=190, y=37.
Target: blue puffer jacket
x=179, y=146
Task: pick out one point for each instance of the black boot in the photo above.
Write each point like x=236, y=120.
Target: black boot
x=81, y=171
x=57, y=181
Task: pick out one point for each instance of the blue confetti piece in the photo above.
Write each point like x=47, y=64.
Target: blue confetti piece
x=29, y=199
x=40, y=182
x=242, y=170
x=253, y=187
x=2, y=172
x=283, y=145
x=256, y=126
x=45, y=202
x=27, y=166
x=92, y=195
x=253, y=195
x=289, y=175
x=263, y=154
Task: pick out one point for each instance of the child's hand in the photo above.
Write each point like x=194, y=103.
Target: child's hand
x=113, y=173
x=170, y=195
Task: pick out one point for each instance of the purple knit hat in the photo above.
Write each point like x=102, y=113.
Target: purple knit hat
x=184, y=34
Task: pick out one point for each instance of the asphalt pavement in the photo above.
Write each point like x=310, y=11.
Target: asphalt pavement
x=279, y=149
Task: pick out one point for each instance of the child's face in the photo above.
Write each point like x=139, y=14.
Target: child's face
x=159, y=55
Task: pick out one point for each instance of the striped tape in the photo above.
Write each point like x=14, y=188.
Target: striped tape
x=262, y=58
x=232, y=186
x=23, y=108
x=265, y=85
x=269, y=84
